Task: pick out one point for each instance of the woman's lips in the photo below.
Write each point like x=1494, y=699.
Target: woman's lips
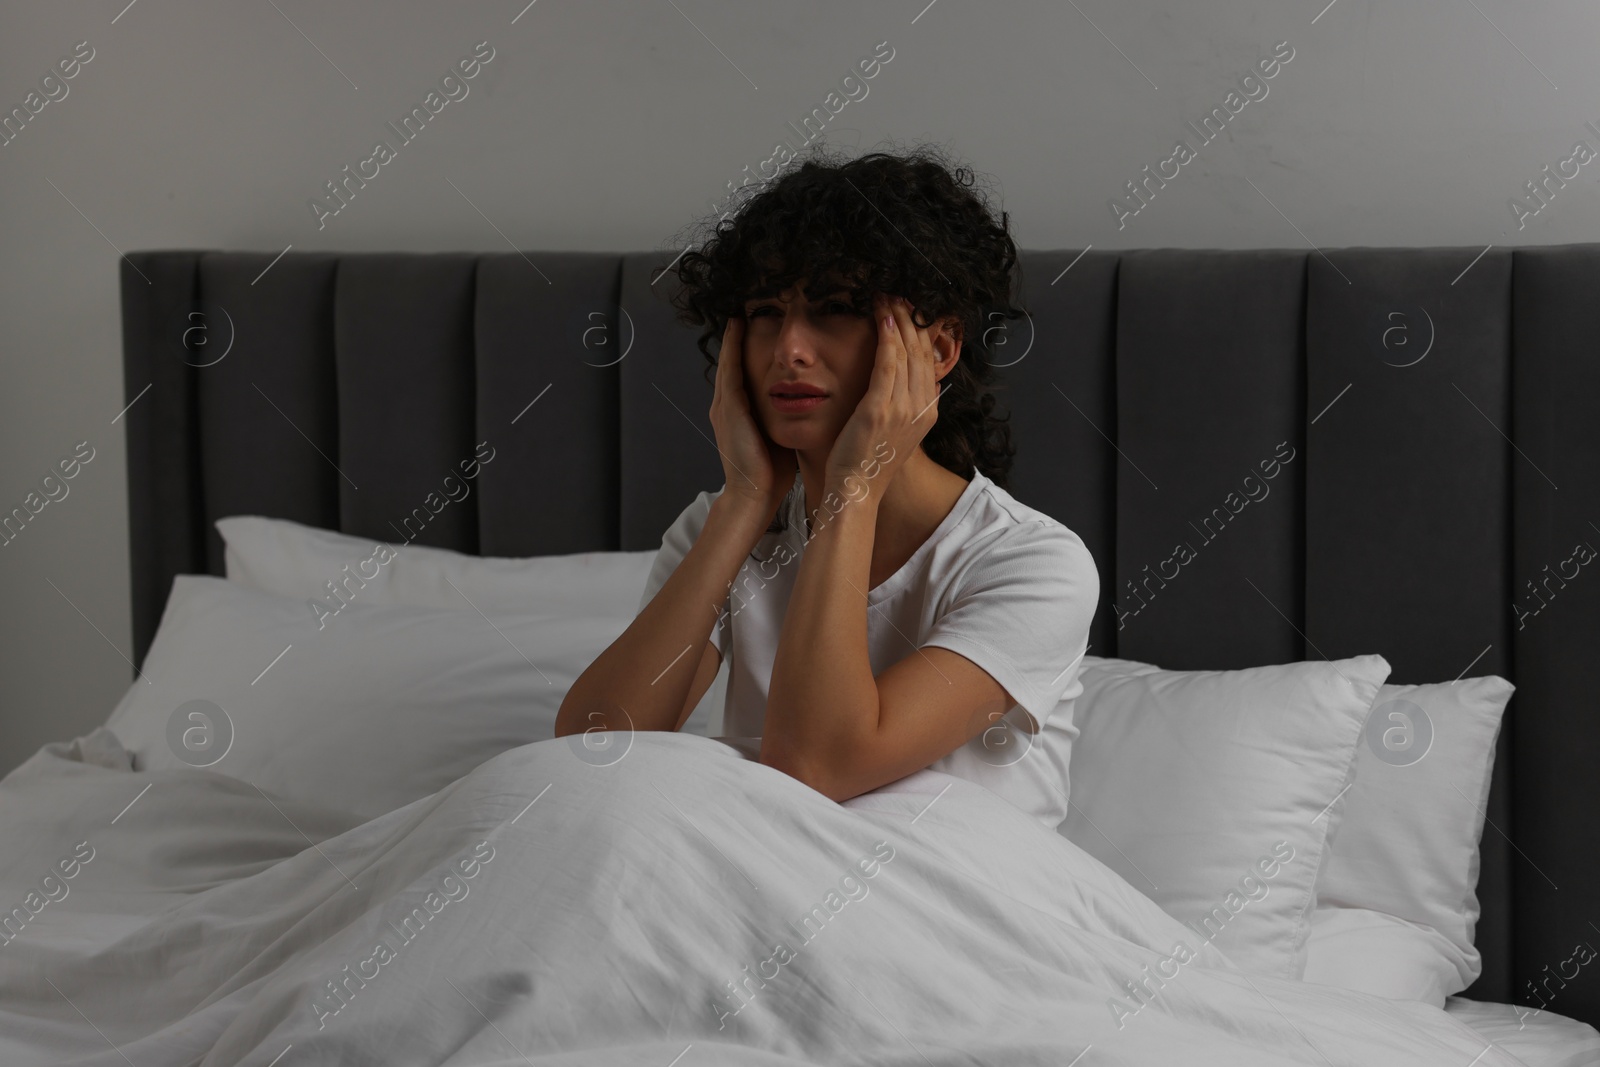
x=795, y=405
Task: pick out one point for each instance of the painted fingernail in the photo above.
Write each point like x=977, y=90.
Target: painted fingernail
x=888, y=322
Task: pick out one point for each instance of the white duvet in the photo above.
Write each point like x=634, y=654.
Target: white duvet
x=679, y=905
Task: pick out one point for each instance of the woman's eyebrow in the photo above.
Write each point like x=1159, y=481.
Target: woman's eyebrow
x=848, y=294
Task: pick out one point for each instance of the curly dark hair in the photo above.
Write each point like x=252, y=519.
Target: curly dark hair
x=906, y=223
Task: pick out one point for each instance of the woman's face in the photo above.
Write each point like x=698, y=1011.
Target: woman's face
x=826, y=344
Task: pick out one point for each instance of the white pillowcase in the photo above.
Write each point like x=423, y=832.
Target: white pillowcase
x=295, y=560
x=1213, y=792
x=382, y=705
x=1408, y=844
x=1371, y=952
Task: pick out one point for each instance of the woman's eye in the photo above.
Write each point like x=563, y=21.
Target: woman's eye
x=832, y=307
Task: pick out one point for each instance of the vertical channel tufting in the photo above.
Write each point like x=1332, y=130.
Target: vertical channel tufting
x=549, y=344
x=1406, y=508
x=1554, y=618
x=1210, y=386
x=268, y=412
x=1057, y=377
x=166, y=509
x=403, y=325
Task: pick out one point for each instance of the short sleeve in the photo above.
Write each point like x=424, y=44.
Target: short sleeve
x=675, y=545
x=1022, y=612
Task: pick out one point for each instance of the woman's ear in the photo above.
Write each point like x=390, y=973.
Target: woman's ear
x=947, y=347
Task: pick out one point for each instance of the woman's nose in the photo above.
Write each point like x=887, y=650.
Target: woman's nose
x=795, y=346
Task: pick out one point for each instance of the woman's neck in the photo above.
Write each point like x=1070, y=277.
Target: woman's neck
x=909, y=509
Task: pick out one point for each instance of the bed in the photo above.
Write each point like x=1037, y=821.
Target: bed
x=524, y=426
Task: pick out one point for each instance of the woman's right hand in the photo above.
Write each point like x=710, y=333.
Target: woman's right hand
x=756, y=471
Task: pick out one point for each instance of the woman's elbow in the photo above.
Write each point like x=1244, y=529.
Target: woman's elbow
x=577, y=713
x=565, y=718
x=813, y=773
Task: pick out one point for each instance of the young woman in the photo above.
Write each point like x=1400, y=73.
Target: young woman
x=887, y=605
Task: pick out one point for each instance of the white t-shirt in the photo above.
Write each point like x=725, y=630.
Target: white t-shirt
x=998, y=582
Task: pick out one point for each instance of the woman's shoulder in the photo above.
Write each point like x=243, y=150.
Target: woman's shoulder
x=684, y=530
x=1006, y=525
x=1026, y=564
x=694, y=513
x=1005, y=547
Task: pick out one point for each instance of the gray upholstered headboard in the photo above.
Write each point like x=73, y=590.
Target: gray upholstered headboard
x=1430, y=412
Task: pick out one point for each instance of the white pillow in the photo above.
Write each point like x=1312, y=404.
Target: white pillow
x=380, y=706
x=1375, y=953
x=1213, y=791
x=295, y=560
x=1408, y=844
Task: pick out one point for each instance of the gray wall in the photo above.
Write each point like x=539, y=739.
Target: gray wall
x=612, y=126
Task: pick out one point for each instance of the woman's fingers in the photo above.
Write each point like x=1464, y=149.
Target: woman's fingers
x=921, y=387
x=886, y=364
x=926, y=398
x=925, y=385
x=730, y=411
x=730, y=358
x=911, y=355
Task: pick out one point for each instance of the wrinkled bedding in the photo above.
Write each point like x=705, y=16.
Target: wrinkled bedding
x=1539, y=1038
x=670, y=903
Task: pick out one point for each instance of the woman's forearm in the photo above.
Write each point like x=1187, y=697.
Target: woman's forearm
x=823, y=699
x=642, y=680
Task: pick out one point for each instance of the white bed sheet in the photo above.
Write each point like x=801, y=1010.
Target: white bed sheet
x=1537, y=1038
x=986, y=938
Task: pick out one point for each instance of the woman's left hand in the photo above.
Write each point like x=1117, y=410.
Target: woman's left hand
x=900, y=406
